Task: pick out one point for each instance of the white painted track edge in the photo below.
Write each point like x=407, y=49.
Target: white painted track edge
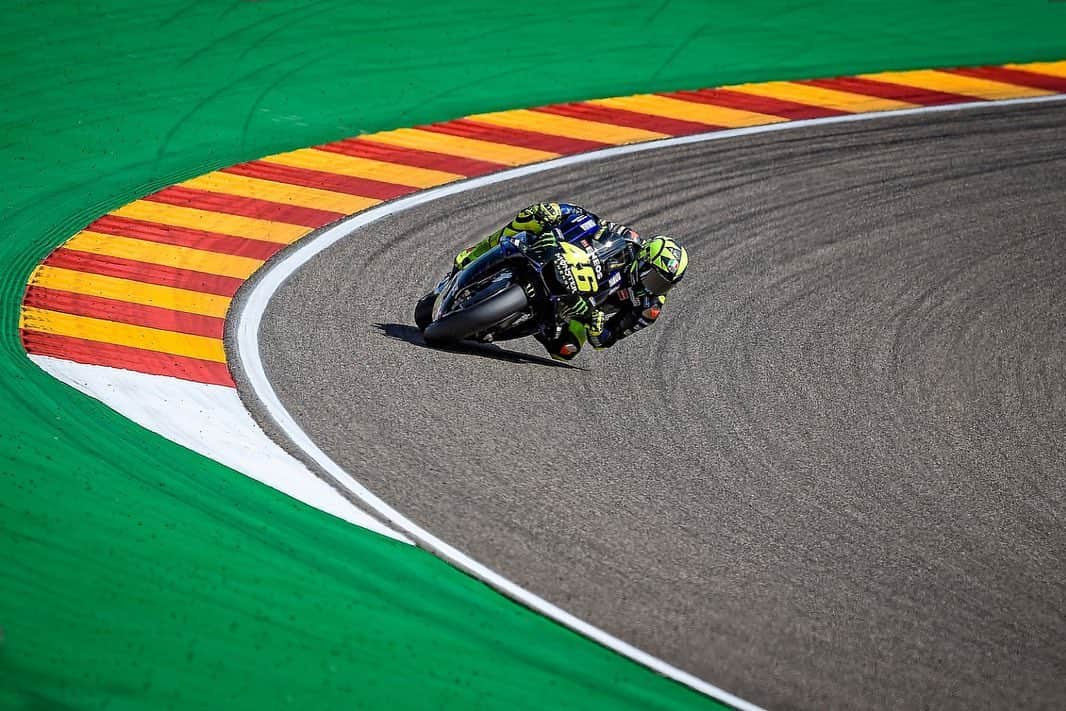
x=252, y=306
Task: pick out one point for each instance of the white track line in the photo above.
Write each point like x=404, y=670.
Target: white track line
x=250, y=315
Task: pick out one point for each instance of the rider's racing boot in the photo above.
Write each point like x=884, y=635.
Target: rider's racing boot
x=471, y=253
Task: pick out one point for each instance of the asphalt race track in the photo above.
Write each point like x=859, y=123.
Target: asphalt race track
x=830, y=477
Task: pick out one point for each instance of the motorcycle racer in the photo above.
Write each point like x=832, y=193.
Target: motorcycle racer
x=621, y=305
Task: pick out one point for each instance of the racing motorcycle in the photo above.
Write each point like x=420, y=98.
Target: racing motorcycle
x=507, y=293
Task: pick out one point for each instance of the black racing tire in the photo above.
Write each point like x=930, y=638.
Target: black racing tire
x=479, y=317
x=424, y=311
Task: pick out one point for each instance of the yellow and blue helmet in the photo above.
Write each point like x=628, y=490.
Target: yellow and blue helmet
x=661, y=263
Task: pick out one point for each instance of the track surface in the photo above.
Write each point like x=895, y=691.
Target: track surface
x=832, y=476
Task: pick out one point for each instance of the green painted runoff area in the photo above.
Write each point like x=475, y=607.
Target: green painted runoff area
x=138, y=575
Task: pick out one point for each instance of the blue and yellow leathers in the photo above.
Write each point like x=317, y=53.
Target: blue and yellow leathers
x=539, y=219
x=605, y=314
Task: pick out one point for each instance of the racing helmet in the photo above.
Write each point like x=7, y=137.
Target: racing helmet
x=660, y=263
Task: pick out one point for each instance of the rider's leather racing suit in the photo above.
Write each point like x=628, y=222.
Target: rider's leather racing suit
x=619, y=308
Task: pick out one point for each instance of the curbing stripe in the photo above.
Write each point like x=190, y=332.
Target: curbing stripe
x=971, y=87
x=1014, y=76
x=124, y=312
x=213, y=242
x=471, y=128
x=413, y=157
x=280, y=191
x=470, y=148
x=143, y=272
x=1055, y=69
x=886, y=90
x=110, y=287
x=624, y=126
x=678, y=107
x=820, y=96
x=196, y=260
x=587, y=124
x=100, y=332
x=219, y=222
x=333, y=159
x=127, y=358
x=767, y=105
x=371, y=191
x=244, y=206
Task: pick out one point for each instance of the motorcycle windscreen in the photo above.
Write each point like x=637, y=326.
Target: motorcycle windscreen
x=483, y=278
x=654, y=281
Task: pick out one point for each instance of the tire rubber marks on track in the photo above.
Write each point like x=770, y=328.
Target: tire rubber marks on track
x=147, y=286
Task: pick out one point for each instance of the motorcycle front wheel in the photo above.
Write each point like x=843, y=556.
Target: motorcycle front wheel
x=424, y=311
x=477, y=318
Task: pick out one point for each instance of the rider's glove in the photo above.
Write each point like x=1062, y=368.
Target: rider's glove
x=610, y=228
x=596, y=331
x=545, y=243
x=563, y=275
x=578, y=309
x=596, y=322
